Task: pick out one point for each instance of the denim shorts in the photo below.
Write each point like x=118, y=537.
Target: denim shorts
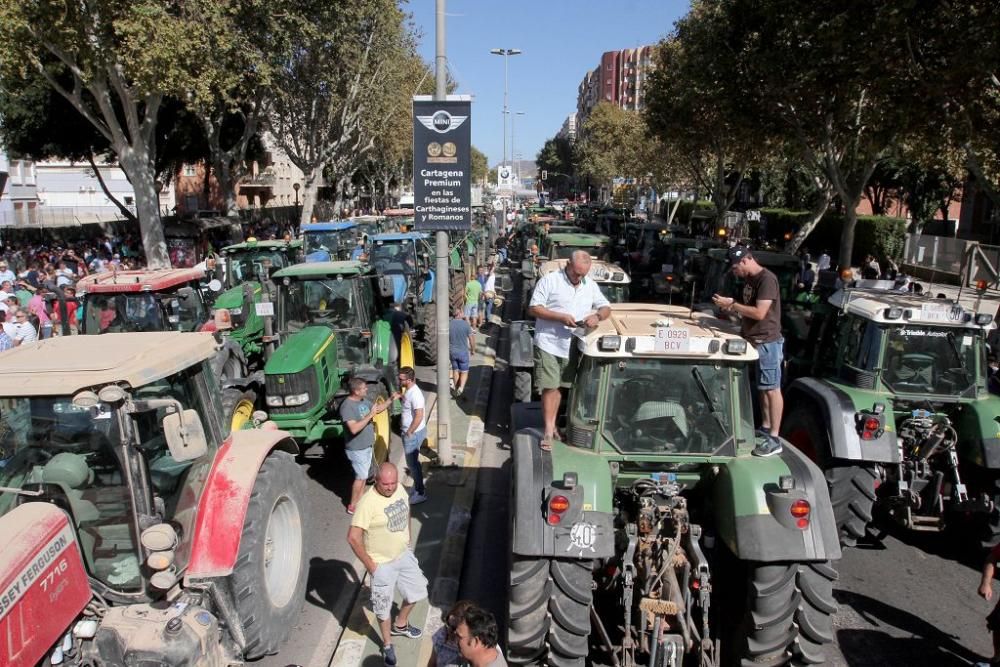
x=361, y=461
x=472, y=310
x=769, y=364
x=460, y=362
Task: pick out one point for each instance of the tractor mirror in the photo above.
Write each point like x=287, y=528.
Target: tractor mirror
x=185, y=435
x=215, y=285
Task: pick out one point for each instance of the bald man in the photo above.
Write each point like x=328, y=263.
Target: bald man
x=560, y=300
x=380, y=538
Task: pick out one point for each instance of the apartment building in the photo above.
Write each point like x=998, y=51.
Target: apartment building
x=619, y=79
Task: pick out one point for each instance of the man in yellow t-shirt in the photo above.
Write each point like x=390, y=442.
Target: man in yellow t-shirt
x=380, y=538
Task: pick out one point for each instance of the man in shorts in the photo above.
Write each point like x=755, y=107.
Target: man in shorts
x=759, y=309
x=560, y=300
x=358, y=414
x=461, y=346
x=473, y=289
x=380, y=538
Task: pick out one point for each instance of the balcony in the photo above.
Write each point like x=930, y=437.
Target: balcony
x=262, y=180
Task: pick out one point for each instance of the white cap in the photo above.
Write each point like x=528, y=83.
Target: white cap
x=4, y=296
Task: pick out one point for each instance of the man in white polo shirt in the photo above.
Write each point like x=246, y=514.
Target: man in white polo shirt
x=561, y=299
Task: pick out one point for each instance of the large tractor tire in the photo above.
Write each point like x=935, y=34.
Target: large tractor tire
x=548, y=619
x=851, y=483
x=269, y=580
x=788, y=615
x=237, y=408
x=527, y=610
x=522, y=386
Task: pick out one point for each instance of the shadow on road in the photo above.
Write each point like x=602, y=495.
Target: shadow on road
x=928, y=645
x=328, y=579
x=333, y=472
x=955, y=544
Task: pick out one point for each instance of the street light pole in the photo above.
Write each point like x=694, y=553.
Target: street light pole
x=506, y=53
x=513, y=144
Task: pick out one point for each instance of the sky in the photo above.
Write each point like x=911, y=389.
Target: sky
x=560, y=39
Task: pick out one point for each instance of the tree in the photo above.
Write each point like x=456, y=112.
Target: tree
x=611, y=144
x=706, y=130
x=114, y=62
x=331, y=90
x=831, y=79
x=480, y=166
x=556, y=158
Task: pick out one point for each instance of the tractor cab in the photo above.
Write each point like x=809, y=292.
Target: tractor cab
x=119, y=492
x=156, y=300
x=329, y=241
x=403, y=257
x=332, y=324
x=562, y=246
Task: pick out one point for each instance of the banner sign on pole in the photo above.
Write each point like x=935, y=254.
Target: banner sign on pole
x=442, y=163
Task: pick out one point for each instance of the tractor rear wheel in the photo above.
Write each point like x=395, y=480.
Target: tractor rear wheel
x=788, y=615
x=377, y=393
x=269, y=579
x=237, y=408
x=527, y=610
x=569, y=608
x=851, y=483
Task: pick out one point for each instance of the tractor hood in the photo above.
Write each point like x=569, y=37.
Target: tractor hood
x=233, y=297
x=299, y=350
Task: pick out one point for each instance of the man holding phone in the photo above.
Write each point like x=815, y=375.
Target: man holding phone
x=561, y=302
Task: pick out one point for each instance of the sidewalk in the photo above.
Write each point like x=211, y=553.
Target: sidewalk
x=439, y=525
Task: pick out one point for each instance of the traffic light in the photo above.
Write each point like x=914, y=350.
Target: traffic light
x=545, y=175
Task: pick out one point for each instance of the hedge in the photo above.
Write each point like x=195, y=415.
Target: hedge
x=880, y=235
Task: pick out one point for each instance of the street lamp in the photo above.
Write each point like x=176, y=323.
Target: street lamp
x=506, y=53
x=298, y=213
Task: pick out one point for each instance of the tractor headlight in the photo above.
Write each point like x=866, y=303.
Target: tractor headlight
x=736, y=346
x=236, y=311
x=982, y=319
x=297, y=399
x=275, y=401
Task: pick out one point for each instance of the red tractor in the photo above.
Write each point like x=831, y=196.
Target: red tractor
x=137, y=529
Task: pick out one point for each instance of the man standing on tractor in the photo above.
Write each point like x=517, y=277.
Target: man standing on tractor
x=358, y=414
x=562, y=301
x=760, y=321
x=380, y=538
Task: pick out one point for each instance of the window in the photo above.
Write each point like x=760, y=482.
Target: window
x=189, y=170
x=129, y=201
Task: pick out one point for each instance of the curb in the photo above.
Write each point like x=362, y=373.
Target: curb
x=350, y=650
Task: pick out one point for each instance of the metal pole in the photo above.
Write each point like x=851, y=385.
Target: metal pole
x=442, y=293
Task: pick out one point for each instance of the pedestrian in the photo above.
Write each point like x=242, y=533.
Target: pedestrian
x=473, y=288
x=414, y=429
x=444, y=643
x=807, y=277
x=461, y=347
x=24, y=331
x=489, y=280
x=358, y=413
x=986, y=592
x=6, y=273
x=478, y=634
x=5, y=341
x=562, y=299
x=759, y=310
x=380, y=537
x=824, y=261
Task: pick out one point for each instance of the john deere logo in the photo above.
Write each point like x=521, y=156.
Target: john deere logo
x=442, y=121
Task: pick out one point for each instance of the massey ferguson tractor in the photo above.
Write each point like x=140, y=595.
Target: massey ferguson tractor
x=649, y=534
x=892, y=403
x=172, y=300
x=135, y=531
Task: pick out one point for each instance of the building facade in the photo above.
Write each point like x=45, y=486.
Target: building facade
x=619, y=79
x=568, y=130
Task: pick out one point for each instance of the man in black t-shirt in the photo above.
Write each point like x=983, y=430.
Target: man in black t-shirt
x=759, y=309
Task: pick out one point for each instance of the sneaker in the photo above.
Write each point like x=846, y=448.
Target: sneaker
x=389, y=655
x=451, y=383
x=416, y=499
x=768, y=446
x=350, y=510
x=407, y=630
x=762, y=432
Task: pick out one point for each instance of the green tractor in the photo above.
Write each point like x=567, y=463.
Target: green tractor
x=332, y=326
x=649, y=534
x=247, y=283
x=892, y=403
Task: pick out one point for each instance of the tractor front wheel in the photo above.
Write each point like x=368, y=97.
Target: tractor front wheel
x=237, y=408
x=269, y=580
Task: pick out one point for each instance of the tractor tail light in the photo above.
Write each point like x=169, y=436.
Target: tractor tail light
x=870, y=426
x=800, y=509
x=557, y=506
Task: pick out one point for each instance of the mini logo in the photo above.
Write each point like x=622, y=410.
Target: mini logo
x=442, y=121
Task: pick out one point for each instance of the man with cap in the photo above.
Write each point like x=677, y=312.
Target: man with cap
x=759, y=309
